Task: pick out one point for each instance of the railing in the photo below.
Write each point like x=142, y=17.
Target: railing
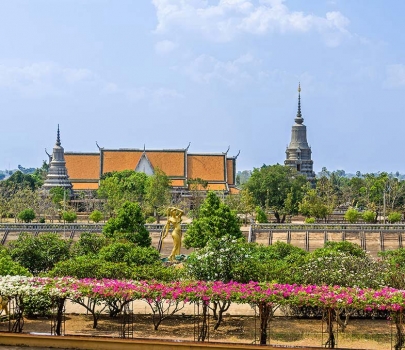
x=338, y=227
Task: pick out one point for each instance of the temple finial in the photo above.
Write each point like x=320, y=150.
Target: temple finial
x=58, y=137
x=299, y=119
x=299, y=101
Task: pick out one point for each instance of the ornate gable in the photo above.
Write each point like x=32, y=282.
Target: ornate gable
x=144, y=165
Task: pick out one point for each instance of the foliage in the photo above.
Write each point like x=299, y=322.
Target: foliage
x=369, y=216
x=352, y=215
x=261, y=217
x=90, y=267
x=150, y=220
x=312, y=205
x=394, y=217
x=129, y=253
x=344, y=247
x=327, y=266
x=277, y=187
x=158, y=191
x=39, y=253
x=37, y=305
x=122, y=186
x=158, y=272
x=8, y=267
x=197, y=188
x=27, y=215
x=69, y=216
x=396, y=262
x=129, y=224
x=96, y=216
x=221, y=259
x=215, y=220
x=309, y=220
x=89, y=244
x=59, y=196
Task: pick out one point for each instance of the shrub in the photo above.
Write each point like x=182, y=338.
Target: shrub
x=27, y=215
x=309, y=220
x=150, y=220
x=41, y=220
x=69, y=216
x=261, y=217
x=369, y=216
x=37, y=305
x=352, y=215
x=96, y=216
x=394, y=217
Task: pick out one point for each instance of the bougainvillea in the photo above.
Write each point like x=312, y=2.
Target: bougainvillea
x=386, y=298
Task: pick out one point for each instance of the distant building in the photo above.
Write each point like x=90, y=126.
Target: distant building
x=57, y=173
x=298, y=153
x=218, y=169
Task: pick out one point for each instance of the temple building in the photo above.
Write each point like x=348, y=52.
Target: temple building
x=57, y=173
x=298, y=153
x=218, y=169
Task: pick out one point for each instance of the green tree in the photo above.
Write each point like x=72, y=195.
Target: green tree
x=89, y=243
x=59, y=196
x=261, y=216
x=277, y=187
x=158, y=192
x=197, y=188
x=27, y=215
x=394, y=217
x=8, y=267
x=312, y=205
x=129, y=224
x=39, y=253
x=369, y=216
x=352, y=215
x=96, y=216
x=215, y=220
x=122, y=186
x=69, y=216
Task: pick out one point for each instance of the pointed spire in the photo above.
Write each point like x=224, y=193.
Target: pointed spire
x=58, y=137
x=299, y=119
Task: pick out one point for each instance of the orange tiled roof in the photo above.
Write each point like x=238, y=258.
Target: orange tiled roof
x=234, y=190
x=83, y=165
x=177, y=183
x=230, y=170
x=85, y=185
x=209, y=167
x=216, y=187
x=170, y=162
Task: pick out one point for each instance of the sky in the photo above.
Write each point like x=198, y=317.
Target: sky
x=216, y=73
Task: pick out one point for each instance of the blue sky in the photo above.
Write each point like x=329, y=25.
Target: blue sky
x=215, y=73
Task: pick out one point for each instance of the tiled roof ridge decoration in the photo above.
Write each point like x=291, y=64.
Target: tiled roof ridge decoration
x=57, y=173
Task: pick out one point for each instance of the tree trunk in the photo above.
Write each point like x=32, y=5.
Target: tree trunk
x=59, y=315
x=204, y=328
x=330, y=343
x=399, y=336
x=221, y=309
x=264, y=315
x=277, y=216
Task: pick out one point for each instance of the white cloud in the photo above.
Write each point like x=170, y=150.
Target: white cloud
x=228, y=18
x=205, y=68
x=144, y=93
x=41, y=78
x=395, y=76
x=165, y=46
x=50, y=79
